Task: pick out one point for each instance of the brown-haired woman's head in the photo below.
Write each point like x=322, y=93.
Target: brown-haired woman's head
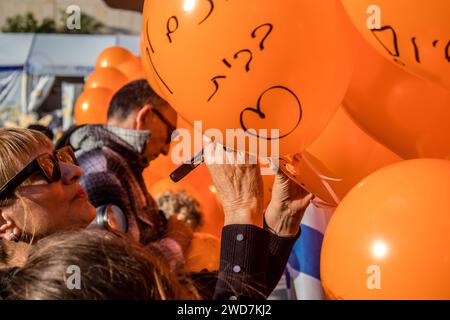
x=38, y=206
x=92, y=265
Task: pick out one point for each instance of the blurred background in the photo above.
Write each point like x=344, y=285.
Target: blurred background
x=387, y=101
x=43, y=62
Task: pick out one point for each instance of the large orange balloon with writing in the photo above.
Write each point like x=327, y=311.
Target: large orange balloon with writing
x=148, y=68
x=341, y=157
x=255, y=64
x=109, y=78
x=389, y=238
x=406, y=113
x=92, y=106
x=413, y=34
x=112, y=57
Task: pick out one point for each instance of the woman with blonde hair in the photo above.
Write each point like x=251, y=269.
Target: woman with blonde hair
x=39, y=189
x=40, y=195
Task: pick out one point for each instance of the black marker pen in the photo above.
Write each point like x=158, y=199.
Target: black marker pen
x=187, y=167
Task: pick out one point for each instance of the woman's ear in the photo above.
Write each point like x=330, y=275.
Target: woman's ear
x=142, y=117
x=8, y=228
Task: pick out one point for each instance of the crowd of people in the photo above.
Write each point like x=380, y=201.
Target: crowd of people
x=83, y=202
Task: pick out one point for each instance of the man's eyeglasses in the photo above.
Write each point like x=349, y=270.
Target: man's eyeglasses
x=47, y=165
x=170, y=127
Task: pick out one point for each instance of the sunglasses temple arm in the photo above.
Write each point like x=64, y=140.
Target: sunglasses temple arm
x=18, y=179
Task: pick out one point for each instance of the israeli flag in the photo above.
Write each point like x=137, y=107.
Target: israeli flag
x=304, y=263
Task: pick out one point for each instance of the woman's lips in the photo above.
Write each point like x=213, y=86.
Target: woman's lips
x=81, y=194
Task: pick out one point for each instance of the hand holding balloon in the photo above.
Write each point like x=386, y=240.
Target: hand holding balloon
x=287, y=207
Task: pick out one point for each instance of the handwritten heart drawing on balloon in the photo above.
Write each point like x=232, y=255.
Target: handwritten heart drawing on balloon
x=225, y=63
x=294, y=108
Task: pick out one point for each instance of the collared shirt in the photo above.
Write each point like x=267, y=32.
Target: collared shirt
x=136, y=138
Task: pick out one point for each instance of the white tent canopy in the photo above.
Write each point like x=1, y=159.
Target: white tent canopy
x=14, y=51
x=46, y=56
x=57, y=54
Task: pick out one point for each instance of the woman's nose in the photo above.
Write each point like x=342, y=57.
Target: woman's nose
x=70, y=173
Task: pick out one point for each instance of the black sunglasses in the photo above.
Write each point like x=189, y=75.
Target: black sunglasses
x=47, y=165
x=170, y=127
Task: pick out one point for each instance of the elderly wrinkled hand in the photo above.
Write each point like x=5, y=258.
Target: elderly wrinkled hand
x=239, y=186
x=287, y=206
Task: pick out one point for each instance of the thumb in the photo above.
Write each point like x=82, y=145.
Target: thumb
x=282, y=178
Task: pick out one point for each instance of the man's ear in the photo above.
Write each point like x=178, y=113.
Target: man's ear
x=143, y=116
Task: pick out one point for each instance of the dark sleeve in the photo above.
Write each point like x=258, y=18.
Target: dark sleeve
x=278, y=254
x=243, y=263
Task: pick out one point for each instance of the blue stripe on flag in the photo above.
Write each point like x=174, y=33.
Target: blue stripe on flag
x=305, y=257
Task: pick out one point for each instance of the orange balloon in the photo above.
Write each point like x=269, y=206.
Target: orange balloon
x=112, y=57
x=389, y=238
x=109, y=78
x=132, y=69
x=228, y=65
x=414, y=34
x=166, y=184
x=203, y=253
x=407, y=114
x=92, y=106
x=341, y=157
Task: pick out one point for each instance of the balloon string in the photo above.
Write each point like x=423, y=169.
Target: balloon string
x=321, y=204
x=324, y=179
